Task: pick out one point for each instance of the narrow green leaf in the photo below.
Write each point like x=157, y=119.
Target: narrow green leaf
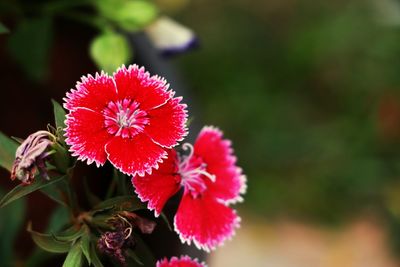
x=7, y=151
x=3, y=29
x=110, y=50
x=74, y=257
x=54, y=193
x=85, y=245
x=135, y=257
x=165, y=219
x=59, y=114
x=145, y=253
x=22, y=190
x=93, y=255
x=47, y=242
x=121, y=180
x=120, y=203
x=29, y=45
x=69, y=235
x=90, y=196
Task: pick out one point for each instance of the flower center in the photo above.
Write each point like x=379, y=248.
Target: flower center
x=124, y=118
x=194, y=172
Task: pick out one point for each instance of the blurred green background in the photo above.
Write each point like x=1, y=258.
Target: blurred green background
x=309, y=92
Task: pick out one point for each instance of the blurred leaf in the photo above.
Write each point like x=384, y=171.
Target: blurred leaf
x=47, y=242
x=7, y=151
x=30, y=44
x=93, y=255
x=85, y=245
x=11, y=220
x=3, y=29
x=109, y=51
x=22, y=190
x=74, y=257
x=120, y=203
x=129, y=15
x=59, y=114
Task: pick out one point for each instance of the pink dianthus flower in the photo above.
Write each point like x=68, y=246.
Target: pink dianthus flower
x=183, y=261
x=211, y=181
x=130, y=119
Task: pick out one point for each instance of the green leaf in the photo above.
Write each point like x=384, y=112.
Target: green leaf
x=90, y=196
x=11, y=220
x=129, y=15
x=122, y=181
x=47, y=242
x=7, y=151
x=29, y=45
x=54, y=193
x=58, y=219
x=146, y=256
x=59, y=114
x=109, y=51
x=74, y=257
x=22, y=190
x=70, y=235
x=133, y=255
x=130, y=203
x=165, y=219
x=85, y=245
x=3, y=29
x=93, y=255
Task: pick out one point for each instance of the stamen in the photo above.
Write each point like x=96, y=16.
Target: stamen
x=198, y=170
x=128, y=228
x=185, y=162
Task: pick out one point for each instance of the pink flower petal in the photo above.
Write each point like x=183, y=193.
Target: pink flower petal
x=86, y=135
x=183, y=261
x=167, y=123
x=205, y=221
x=160, y=185
x=136, y=84
x=93, y=93
x=217, y=153
x=134, y=156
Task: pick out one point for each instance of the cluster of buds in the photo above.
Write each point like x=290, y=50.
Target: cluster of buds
x=113, y=243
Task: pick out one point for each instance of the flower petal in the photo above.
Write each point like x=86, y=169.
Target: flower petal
x=167, y=123
x=183, y=261
x=160, y=185
x=136, y=84
x=86, y=135
x=217, y=153
x=92, y=92
x=134, y=156
x=205, y=221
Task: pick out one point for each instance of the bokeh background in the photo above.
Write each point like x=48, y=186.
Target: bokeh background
x=309, y=93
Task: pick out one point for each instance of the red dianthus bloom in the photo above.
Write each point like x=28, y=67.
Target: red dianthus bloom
x=129, y=119
x=183, y=261
x=211, y=181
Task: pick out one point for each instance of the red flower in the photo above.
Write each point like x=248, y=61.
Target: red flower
x=211, y=181
x=183, y=261
x=129, y=119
